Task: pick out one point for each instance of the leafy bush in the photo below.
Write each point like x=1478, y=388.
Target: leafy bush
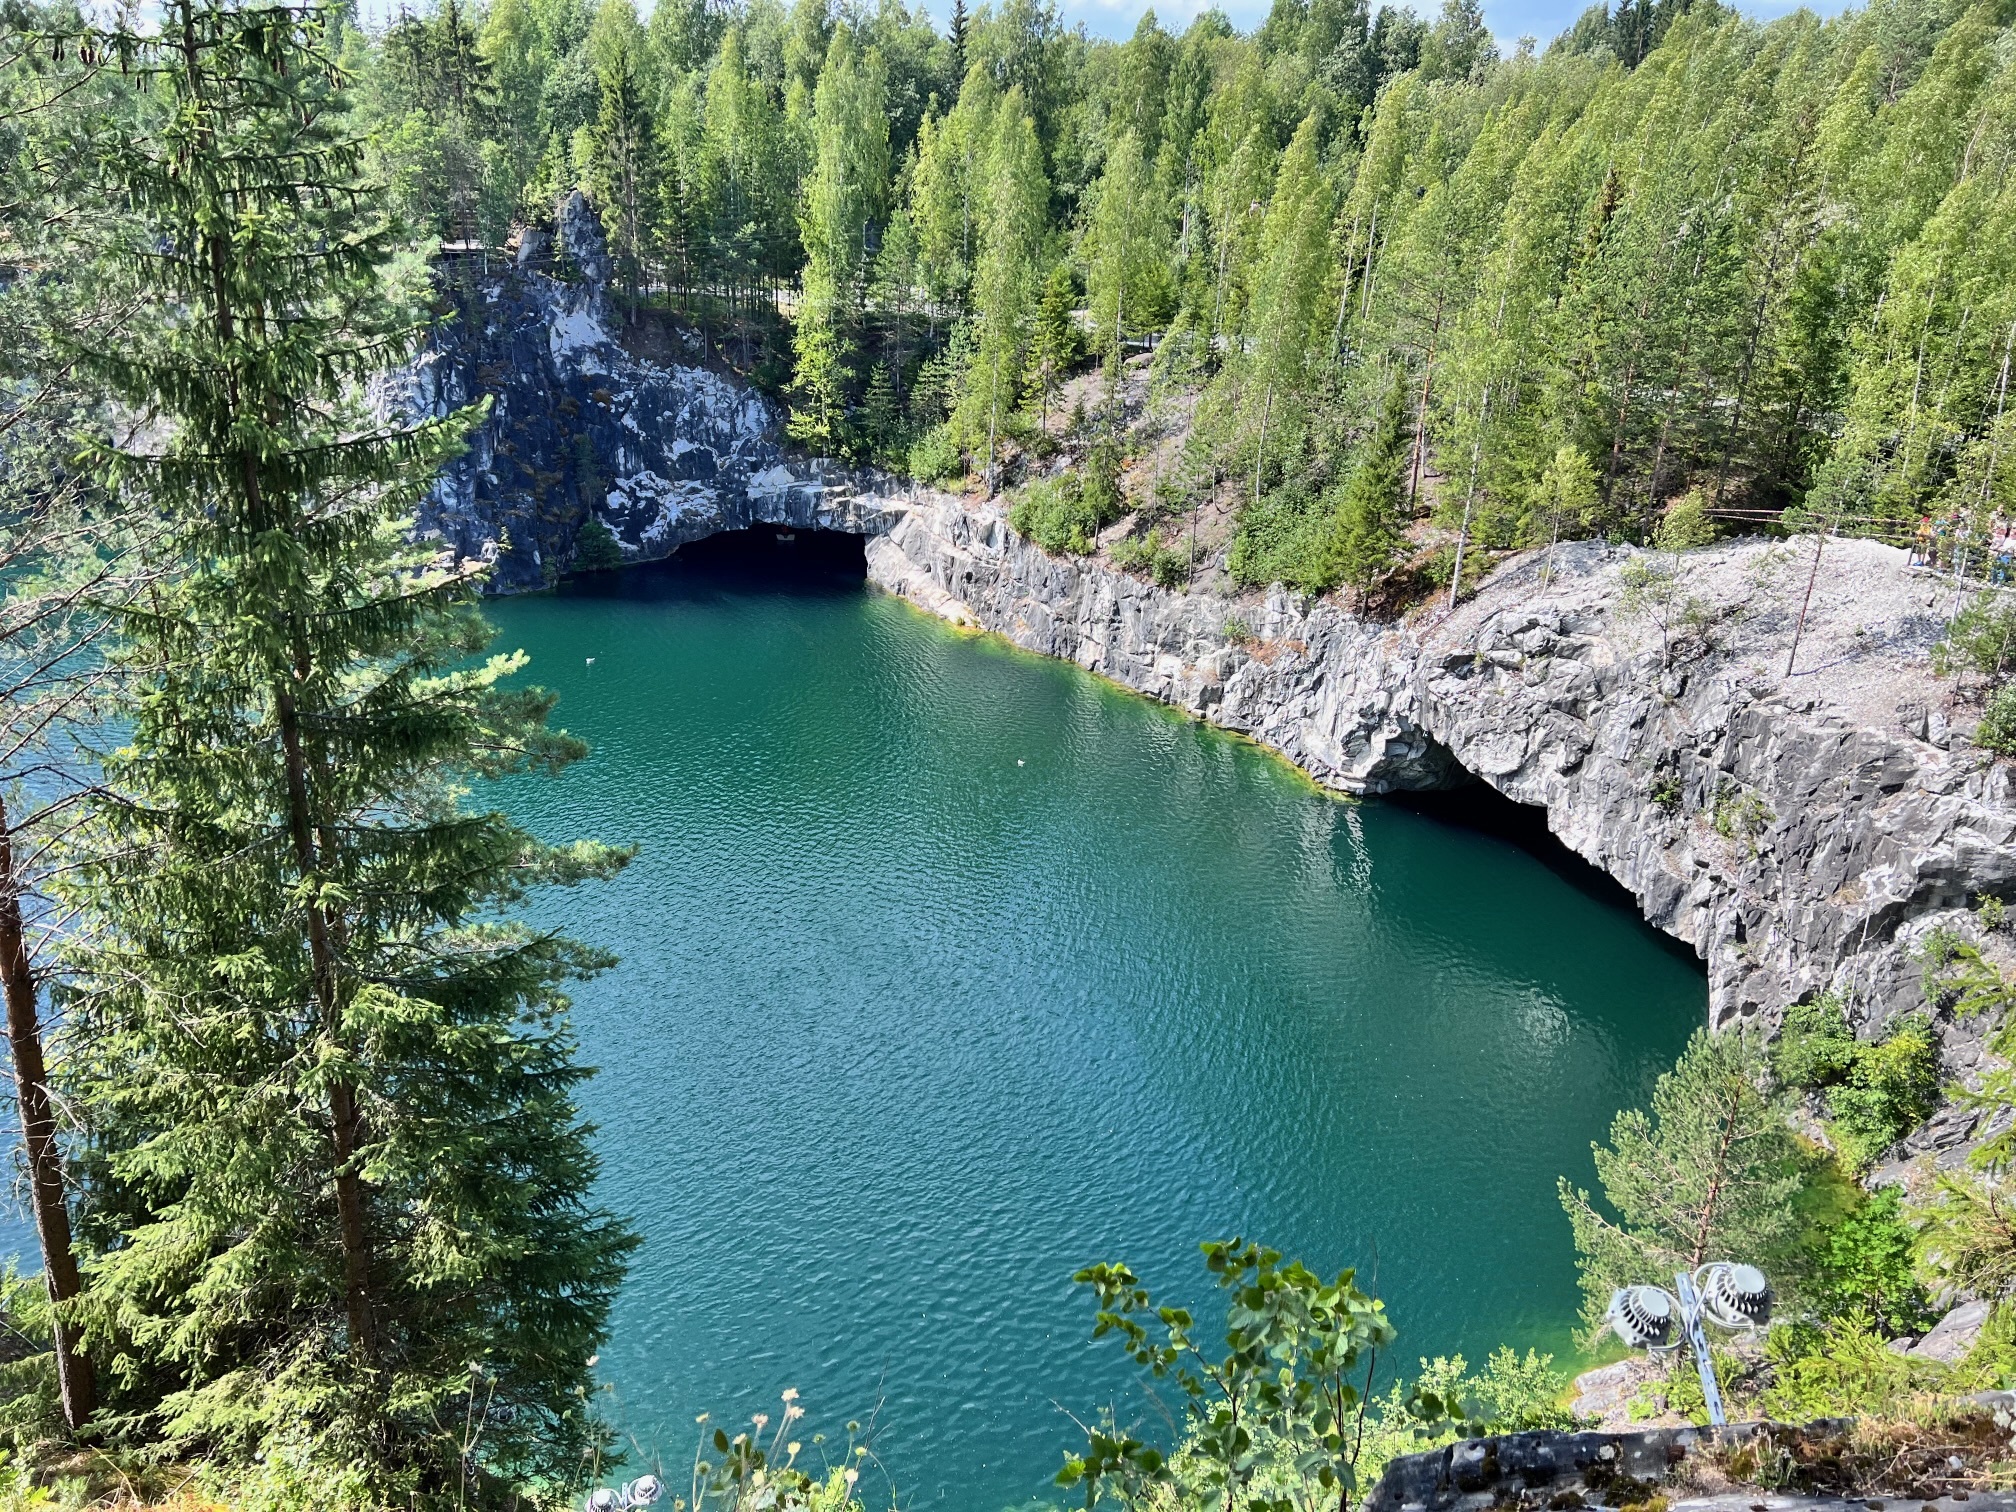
x=1864, y=1262
x=1066, y=514
x=1168, y=565
x=1981, y=640
x=1053, y=513
x=1284, y=539
x=1685, y=524
x=1876, y=1091
x=1101, y=485
x=1281, y=1411
x=1841, y=1368
x=596, y=548
x=1997, y=730
x=1740, y=815
x=935, y=458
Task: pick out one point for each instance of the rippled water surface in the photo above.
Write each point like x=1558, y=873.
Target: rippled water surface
x=948, y=969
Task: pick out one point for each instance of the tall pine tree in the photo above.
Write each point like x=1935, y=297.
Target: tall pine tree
x=339, y=1186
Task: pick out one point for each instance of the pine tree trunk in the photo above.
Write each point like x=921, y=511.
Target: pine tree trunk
x=75, y=1379
x=344, y=1122
x=342, y=1097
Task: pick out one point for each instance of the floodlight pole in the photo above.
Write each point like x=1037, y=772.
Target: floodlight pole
x=1697, y=1340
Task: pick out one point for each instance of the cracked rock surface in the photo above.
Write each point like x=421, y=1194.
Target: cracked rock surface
x=1778, y=825
x=661, y=453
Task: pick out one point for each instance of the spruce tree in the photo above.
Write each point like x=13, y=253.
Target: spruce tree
x=1053, y=345
x=956, y=36
x=624, y=170
x=339, y=1189
x=61, y=557
x=1369, y=525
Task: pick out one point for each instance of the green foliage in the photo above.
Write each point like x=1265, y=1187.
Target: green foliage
x=1288, y=1380
x=1708, y=1174
x=1353, y=534
x=1997, y=728
x=596, y=548
x=1685, y=524
x=1512, y=1394
x=1061, y=514
x=935, y=456
x=338, y=1189
x=1167, y=563
x=1891, y=1087
x=1054, y=339
x=1981, y=641
x=1368, y=530
x=1014, y=200
x=1865, y=1263
x=1841, y=1368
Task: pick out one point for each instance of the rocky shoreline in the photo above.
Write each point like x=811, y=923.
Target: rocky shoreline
x=1794, y=846
x=1800, y=833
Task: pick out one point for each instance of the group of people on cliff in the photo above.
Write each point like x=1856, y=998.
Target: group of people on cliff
x=1954, y=543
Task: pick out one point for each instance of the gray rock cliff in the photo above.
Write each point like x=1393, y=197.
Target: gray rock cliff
x=1800, y=832
x=662, y=453
x=1796, y=839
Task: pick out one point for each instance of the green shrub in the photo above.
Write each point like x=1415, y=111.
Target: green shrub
x=1053, y=513
x=1841, y=1368
x=1740, y=815
x=935, y=458
x=1997, y=730
x=1876, y=1091
x=1863, y=1263
x=1981, y=640
x=1168, y=565
x=596, y=548
x=1285, y=538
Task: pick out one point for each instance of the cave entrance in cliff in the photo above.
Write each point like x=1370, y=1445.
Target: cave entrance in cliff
x=1473, y=804
x=780, y=553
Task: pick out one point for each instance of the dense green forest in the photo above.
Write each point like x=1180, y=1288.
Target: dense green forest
x=313, y=1195
x=1768, y=266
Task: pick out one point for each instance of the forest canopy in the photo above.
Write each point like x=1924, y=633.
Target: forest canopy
x=1674, y=252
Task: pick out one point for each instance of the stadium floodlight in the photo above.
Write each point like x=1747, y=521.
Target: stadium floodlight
x=1642, y=1316
x=1734, y=1296
x=1731, y=1296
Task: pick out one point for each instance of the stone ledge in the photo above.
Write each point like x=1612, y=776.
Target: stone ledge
x=1595, y=1469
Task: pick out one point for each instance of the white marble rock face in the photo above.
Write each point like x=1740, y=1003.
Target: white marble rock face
x=580, y=428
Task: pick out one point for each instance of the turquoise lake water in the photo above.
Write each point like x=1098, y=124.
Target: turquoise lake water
x=948, y=970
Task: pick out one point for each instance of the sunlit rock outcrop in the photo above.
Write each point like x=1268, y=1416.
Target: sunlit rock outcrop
x=662, y=452
x=1800, y=833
